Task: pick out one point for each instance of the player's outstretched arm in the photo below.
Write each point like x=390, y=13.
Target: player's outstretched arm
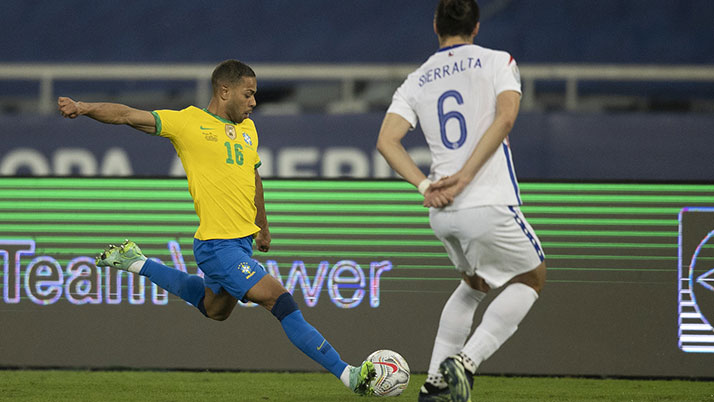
x=110, y=113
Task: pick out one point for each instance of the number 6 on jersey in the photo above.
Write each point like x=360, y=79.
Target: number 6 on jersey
x=444, y=117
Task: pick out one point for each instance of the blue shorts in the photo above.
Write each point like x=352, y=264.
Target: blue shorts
x=227, y=264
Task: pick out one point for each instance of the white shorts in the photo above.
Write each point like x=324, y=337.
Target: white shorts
x=494, y=242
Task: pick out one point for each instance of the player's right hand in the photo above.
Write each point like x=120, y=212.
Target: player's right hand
x=262, y=240
x=447, y=188
x=436, y=198
x=67, y=107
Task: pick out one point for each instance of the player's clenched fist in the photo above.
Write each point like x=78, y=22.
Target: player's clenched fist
x=262, y=241
x=67, y=107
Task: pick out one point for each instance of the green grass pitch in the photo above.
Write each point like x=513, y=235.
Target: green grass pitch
x=66, y=385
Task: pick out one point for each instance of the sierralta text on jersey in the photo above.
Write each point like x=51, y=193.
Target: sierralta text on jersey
x=446, y=70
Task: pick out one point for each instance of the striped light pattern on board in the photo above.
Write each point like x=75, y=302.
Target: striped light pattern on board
x=346, y=242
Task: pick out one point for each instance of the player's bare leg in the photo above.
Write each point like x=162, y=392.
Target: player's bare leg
x=218, y=306
x=534, y=278
x=476, y=283
x=266, y=292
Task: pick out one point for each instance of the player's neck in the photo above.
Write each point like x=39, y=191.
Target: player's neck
x=453, y=41
x=215, y=109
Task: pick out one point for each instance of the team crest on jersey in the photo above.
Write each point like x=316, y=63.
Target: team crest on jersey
x=244, y=267
x=247, y=139
x=231, y=131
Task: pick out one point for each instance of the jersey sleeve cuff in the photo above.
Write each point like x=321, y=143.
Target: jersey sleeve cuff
x=157, y=119
x=514, y=89
x=405, y=113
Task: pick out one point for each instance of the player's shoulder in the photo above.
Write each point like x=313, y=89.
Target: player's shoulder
x=247, y=123
x=190, y=110
x=500, y=56
x=473, y=51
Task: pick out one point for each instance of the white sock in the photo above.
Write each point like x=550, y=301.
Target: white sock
x=136, y=266
x=345, y=376
x=469, y=364
x=500, y=321
x=437, y=381
x=454, y=326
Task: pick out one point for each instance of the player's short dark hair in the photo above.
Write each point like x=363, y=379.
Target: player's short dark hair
x=456, y=17
x=230, y=72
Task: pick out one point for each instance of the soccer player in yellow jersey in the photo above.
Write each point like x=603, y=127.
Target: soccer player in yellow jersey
x=218, y=148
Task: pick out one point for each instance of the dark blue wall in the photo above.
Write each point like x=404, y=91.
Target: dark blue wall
x=545, y=146
x=609, y=31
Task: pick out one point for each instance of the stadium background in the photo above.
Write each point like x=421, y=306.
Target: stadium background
x=611, y=307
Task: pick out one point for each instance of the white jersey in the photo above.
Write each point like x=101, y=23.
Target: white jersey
x=453, y=94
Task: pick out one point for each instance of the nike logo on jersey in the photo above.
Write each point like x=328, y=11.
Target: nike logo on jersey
x=322, y=344
x=206, y=128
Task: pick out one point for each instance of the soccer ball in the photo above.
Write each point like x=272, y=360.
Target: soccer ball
x=392, y=373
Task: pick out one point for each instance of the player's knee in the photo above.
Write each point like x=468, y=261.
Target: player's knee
x=534, y=283
x=539, y=277
x=217, y=313
x=218, y=316
x=284, y=306
x=218, y=309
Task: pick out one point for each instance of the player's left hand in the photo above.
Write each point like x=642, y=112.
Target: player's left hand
x=437, y=198
x=262, y=240
x=451, y=186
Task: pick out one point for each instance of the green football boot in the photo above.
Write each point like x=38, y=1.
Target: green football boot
x=360, y=378
x=121, y=257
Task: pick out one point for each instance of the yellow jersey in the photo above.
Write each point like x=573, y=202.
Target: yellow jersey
x=220, y=158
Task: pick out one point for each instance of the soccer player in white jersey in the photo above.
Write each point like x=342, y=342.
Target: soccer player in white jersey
x=466, y=98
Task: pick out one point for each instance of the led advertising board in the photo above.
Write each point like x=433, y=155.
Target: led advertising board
x=365, y=268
